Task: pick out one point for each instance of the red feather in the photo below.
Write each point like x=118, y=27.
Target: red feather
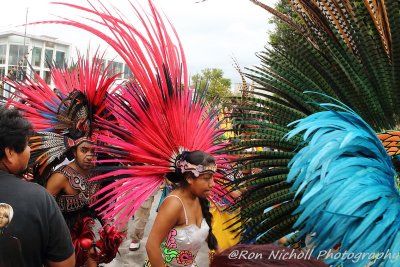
x=47, y=109
x=82, y=238
x=108, y=244
x=158, y=115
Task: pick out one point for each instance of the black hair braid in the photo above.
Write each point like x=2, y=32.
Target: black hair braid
x=205, y=209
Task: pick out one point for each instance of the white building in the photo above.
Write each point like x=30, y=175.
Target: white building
x=40, y=50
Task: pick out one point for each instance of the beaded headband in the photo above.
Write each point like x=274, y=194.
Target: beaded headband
x=69, y=142
x=195, y=169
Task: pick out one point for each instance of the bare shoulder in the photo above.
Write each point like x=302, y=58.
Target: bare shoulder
x=171, y=205
x=171, y=202
x=57, y=176
x=56, y=183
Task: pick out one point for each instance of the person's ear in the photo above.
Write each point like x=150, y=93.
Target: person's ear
x=190, y=180
x=9, y=154
x=10, y=159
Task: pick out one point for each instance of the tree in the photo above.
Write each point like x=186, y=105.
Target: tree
x=283, y=32
x=214, y=84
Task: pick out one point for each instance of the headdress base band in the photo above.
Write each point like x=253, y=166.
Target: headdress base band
x=71, y=143
x=195, y=169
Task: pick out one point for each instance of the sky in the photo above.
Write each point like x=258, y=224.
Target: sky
x=211, y=32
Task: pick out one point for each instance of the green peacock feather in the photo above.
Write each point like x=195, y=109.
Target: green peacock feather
x=348, y=50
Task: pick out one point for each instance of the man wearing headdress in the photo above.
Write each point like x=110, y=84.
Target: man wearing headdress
x=73, y=191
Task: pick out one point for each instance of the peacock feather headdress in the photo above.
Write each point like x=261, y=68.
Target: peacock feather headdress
x=336, y=181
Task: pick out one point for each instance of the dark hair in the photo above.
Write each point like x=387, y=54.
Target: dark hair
x=14, y=130
x=205, y=209
x=196, y=157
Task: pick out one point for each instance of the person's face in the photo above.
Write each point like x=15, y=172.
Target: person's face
x=202, y=185
x=4, y=217
x=85, y=156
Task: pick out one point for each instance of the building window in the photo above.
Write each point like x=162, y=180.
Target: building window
x=36, y=56
x=47, y=77
x=21, y=74
x=6, y=91
x=33, y=71
x=48, y=57
x=2, y=71
x=17, y=53
x=60, y=59
x=17, y=73
x=116, y=68
x=3, y=51
x=127, y=72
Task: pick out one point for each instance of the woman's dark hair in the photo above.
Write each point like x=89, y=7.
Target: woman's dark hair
x=205, y=209
x=14, y=130
x=196, y=157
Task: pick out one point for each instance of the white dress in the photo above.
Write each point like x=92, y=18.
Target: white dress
x=183, y=242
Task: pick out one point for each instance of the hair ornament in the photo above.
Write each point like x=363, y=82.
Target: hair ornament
x=185, y=166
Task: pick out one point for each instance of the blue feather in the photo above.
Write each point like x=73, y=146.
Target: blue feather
x=347, y=183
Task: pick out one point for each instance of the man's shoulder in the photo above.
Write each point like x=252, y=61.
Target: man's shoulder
x=6, y=175
x=60, y=169
x=18, y=190
x=58, y=174
x=67, y=171
x=31, y=188
x=19, y=184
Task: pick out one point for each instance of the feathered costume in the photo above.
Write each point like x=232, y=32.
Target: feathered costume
x=63, y=118
x=338, y=181
x=158, y=115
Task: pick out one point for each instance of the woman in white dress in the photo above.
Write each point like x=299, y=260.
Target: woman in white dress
x=183, y=221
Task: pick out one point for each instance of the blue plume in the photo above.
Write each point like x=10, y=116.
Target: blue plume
x=347, y=181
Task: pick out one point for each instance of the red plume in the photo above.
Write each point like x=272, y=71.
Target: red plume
x=82, y=238
x=158, y=115
x=83, y=88
x=108, y=244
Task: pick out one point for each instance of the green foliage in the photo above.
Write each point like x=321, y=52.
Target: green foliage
x=215, y=86
x=282, y=32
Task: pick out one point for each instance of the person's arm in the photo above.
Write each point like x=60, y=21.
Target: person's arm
x=56, y=183
x=70, y=262
x=168, y=216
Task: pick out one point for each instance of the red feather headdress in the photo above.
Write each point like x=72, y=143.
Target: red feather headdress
x=65, y=116
x=158, y=115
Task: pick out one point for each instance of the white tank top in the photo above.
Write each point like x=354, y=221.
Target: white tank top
x=183, y=242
